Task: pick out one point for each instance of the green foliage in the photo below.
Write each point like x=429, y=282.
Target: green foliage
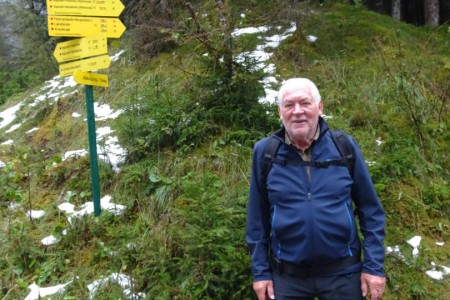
x=151, y=27
x=14, y=82
x=25, y=56
x=190, y=224
x=23, y=253
x=158, y=117
x=10, y=181
x=204, y=253
x=232, y=102
x=437, y=196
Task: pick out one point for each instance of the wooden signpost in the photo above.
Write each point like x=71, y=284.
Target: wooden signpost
x=93, y=21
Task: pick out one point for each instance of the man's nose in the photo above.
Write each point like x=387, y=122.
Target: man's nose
x=298, y=109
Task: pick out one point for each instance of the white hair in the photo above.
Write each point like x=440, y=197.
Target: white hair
x=294, y=83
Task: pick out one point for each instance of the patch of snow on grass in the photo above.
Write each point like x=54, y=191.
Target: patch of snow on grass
x=104, y=112
x=35, y=214
x=88, y=208
x=74, y=153
x=112, y=152
x=14, y=127
x=39, y=292
x=49, y=240
x=415, y=243
x=32, y=130
x=117, y=55
x=436, y=274
x=9, y=114
x=8, y=142
x=121, y=279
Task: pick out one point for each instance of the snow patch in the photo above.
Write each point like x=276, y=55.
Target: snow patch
x=415, y=243
x=39, y=292
x=49, y=240
x=8, y=115
x=35, y=214
x=75, y=153
x=121, y=279
x=14, y=127
x=32, y=130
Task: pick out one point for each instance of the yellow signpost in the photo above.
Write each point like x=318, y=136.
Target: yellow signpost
x=88, y=78
x=89, y=64
x=84, y=26
x=80, y=48
x=86, y=19
x=110, y=8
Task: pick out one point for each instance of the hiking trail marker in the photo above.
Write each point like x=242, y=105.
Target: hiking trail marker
x=93, y=21
x=89, y=78
x=109, y=8
x=89, y=64
x=80, y=48
x=74, y=26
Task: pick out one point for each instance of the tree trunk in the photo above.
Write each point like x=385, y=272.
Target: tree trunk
x=227, y=40
x=397, y=9
x=431, y=12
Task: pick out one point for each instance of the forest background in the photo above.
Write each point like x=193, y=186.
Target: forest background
x=193, y=101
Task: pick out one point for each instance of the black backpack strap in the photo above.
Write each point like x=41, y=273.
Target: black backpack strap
x=342, y=142
x=317, y=164
x=270, y=151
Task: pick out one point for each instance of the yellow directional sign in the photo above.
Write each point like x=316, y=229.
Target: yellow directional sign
x=109, y=8
x=80, y=48
x=88, y=78
x=84, y=26
x=89, y=64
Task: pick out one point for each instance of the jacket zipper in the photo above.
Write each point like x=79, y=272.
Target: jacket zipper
x=351, y=229
x=278, y=252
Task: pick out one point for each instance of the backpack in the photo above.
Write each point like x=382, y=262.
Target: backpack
x=340, y=139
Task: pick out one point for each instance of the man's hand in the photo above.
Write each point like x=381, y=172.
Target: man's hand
x=264, y=289
x=374, y=284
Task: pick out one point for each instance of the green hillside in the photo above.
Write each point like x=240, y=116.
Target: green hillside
x=184, y=107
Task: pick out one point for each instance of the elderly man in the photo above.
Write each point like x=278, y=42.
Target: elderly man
x=301, y=229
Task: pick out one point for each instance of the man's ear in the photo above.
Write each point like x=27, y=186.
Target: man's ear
x=321, y=107
x=279, y=112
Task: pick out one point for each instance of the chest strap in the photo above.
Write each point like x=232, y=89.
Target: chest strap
x=319, y=164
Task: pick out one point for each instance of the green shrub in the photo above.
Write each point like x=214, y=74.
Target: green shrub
x=10, y=180
x=159, y=117
x=208, y=257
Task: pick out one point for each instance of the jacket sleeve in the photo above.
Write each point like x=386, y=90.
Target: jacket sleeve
x=371, y=216
x=258, y=217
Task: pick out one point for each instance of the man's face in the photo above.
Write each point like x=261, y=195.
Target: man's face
x=300, y=114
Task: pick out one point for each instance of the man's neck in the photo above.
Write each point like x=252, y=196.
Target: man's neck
x=304, y=144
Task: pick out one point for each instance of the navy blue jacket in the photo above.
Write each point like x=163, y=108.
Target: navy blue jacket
x=309, y=220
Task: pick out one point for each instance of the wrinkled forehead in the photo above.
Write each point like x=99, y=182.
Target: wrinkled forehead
x=298, y=93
